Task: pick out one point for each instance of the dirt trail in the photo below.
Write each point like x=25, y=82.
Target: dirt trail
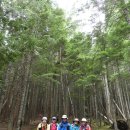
x=3, y=126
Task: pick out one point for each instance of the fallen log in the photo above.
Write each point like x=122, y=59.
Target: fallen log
x=110, y=121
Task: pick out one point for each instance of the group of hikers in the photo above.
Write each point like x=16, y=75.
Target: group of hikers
x=64, y=125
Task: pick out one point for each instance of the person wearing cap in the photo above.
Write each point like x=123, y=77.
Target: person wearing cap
x=75, y=125
x=43, y=125
x=54, y=125
x=84, y=124
x=64, y=125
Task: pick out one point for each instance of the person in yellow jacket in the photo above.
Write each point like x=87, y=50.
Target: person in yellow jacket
x=43, y=125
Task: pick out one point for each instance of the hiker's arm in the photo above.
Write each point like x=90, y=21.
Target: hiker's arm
x=58, y=128
x=68, y=127
x=39, y=125
x=48, y=127
x=89, y=128
x=71, y=127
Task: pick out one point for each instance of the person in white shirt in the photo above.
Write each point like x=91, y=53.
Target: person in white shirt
x=43, y=125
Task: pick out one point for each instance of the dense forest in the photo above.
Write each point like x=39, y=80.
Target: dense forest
x=49, y=67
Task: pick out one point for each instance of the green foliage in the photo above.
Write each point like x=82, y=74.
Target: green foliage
x=41, y=27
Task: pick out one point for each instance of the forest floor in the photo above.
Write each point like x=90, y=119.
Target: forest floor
x=103, y=128
x=3, y=126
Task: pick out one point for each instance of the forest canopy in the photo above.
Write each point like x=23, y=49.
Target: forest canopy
x=48, y=66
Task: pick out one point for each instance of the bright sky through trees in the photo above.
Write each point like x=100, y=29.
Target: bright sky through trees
x=83, y=17
x=67, y=5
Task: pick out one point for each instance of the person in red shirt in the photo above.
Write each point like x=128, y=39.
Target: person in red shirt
x=84, y=125
x=53, y=125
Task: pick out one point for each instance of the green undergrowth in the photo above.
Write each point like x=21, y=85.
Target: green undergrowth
x=102, y=126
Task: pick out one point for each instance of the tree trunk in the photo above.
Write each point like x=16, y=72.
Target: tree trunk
x=107, y=97
x=27, y=65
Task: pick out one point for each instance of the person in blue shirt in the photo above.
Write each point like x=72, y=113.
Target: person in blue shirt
x=64, y=125
x=75, y=125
